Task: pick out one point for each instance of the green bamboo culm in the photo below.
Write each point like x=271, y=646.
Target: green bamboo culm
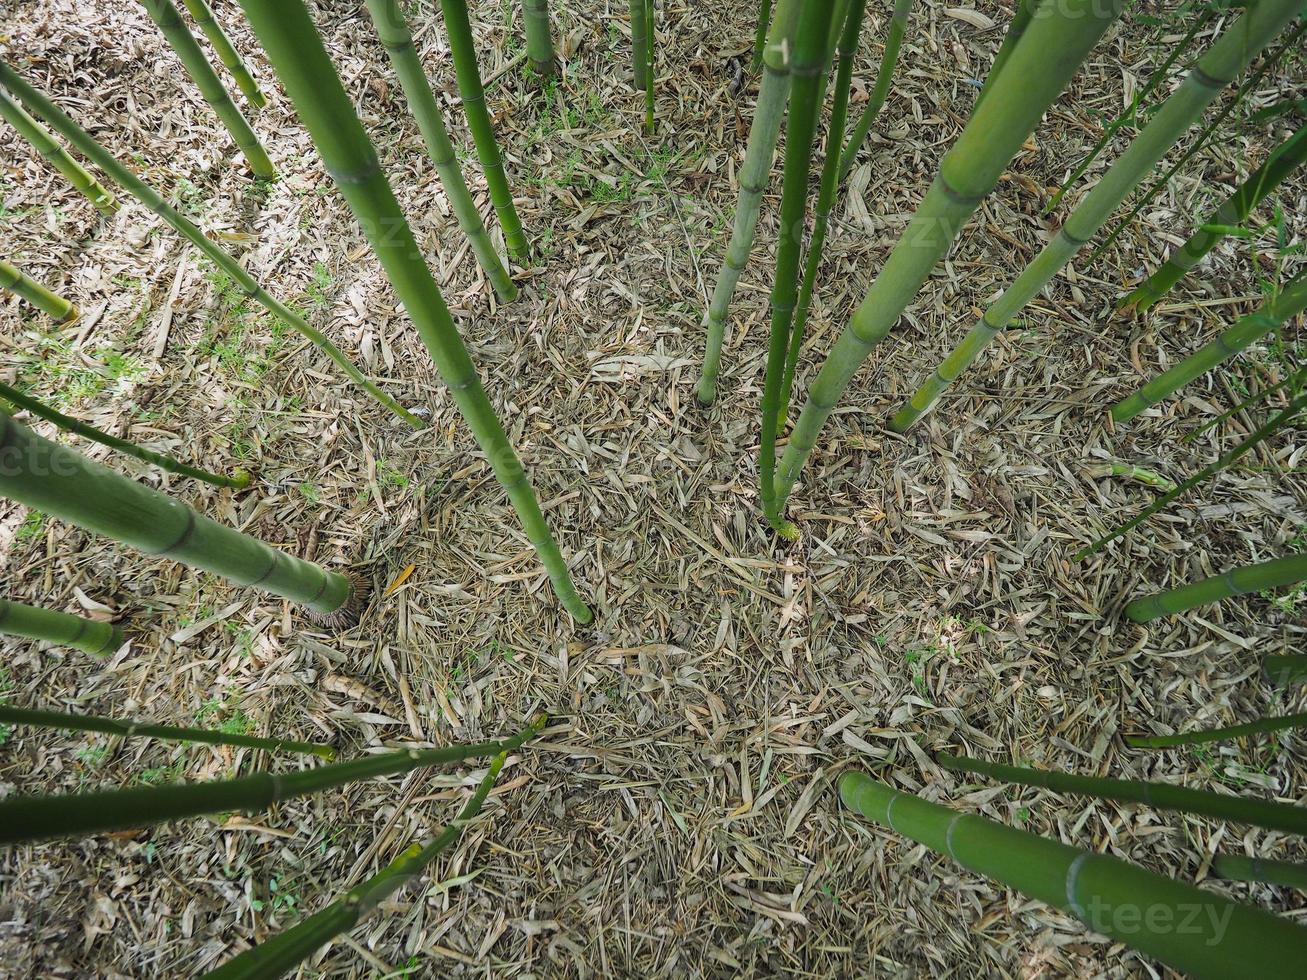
x=1293, y=382
x=1237, y=581
x=898, y=26
x=1259, y=727
x=1160, y=796
x=28, y=818
x=132, y=729
x=651, y=72
x=1285, y=670
x=539, y=39
x=1236, y=867
x=57, y=156
x=1229, y=941
x=461, y=44
x=87, y=635
x=388, y=16
x=1025, y=10
x=38, y=103
x=50, y=303
x=65, y=484
x=639, y=44
x=760, y=33
x=773, y=93
x=238, y=480
x=188, y=51
x=1132, y=472
x=1289, y=302
x=281, y=953
x=309, y=78
x=1228, y=56
x=202, y=14
x=1040, y=66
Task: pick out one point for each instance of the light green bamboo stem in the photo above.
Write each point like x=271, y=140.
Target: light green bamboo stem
x=1228, y=56
x=309, y=78
x=1147, y=477
x=203, y=16
x=388, y=16
x=760, y=34
x=651, y=69
x=1016, y=30
x=1259, y=727
x=1237, y=581
x=97, y=154
x=21, y=284
x=898, y=25
x=56, y=155
x=539, y=40
x=188, y=51
x=87, y=635
x=1283, y=671
x=1199, y=933
x=1236, y=867
x=639, y=44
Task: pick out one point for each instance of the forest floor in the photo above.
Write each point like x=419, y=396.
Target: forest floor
x=677, y=818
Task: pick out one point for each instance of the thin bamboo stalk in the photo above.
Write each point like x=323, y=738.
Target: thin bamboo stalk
x=58, y=157
x=28, y=818
x=21, y=284
x=1227, y=57
x=64, y=484
x=275, y=956
x=188, y=51
x=640, y=44
x=898, y=25
x=1237, y=581
x=760, y=34
x=309, y=78
x=1283, y=671
x=539, y=40
x=388, y=16
x=87, y=635
x=1146, y=911
x=202, y=14
x=459, y=30
x=1039, y=68
x=1236, y=867
x=651, y=72
x=1293, y=382
x=97, y=154
x=1259, y=727
x=1025, y=10
x=168, y=733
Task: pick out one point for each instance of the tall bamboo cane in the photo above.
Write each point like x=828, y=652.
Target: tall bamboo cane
x=1236, y=867
x=21, y=284
x=188, y=51
x=1025, y=10
x=388, y=16
x=1228, y=56
x=58, y=157
x=97, y=154
x=754, y=173
x=461, y=44
x=309, y=78
x=1039, y=68
x=63, y=483
x=1283, y=671
x=539, y=40
x=639, y=45
x=1237, y=581
x=898, y=25
x=1259, y=727
x=1116, y=899
x=203, y=16
x=760, y=32
x=273, y=957
x=651, y=69
x=27, y=818
x=87, y=635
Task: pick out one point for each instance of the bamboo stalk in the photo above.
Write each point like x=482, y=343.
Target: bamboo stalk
x=461, y=44
x=1283, y=671
x=1130, y=472
x=760, y=34
x=28, y=818
x=56, y=155
x=309, y=78
x=1294, y=382
x=1227, y=57
x=1039, y=68
x=97, y=154
x=651, y=73
x=1237, y=581
x=640, y=44
x=539, y=40
x=1025, y=10
x=21, y=284
x=1199, y=933
x=202, y=14
x=1160, y=796
x=169, y=733
x=898, y=25
x=1261, y=726
x=238, y=481
x=87, y=635
x=1236, y=867
x=64, y=484
x=388, y=16
x=183, y=43
x=275, y=956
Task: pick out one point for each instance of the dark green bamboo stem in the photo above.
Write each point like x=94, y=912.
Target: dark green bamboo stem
x=459, y=30
x=651, y=69
x=1283, y=671
x=274, y=957
x=21, y=284
x=1236, y=867
x=188, y=51
x=898, y=25
x=1199, y=933
x=97, y=154
x=1237, y=581
x=169, y=733
x=1261, y=726
x=87, y=635
x=640, y=44
x=64, y=484
x=239, y=480
x=27, y=818
x=1016, y=30
x=309, y=78
x=203, y=16
x=56, y=155
x=388, y=16
x=539, y=39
